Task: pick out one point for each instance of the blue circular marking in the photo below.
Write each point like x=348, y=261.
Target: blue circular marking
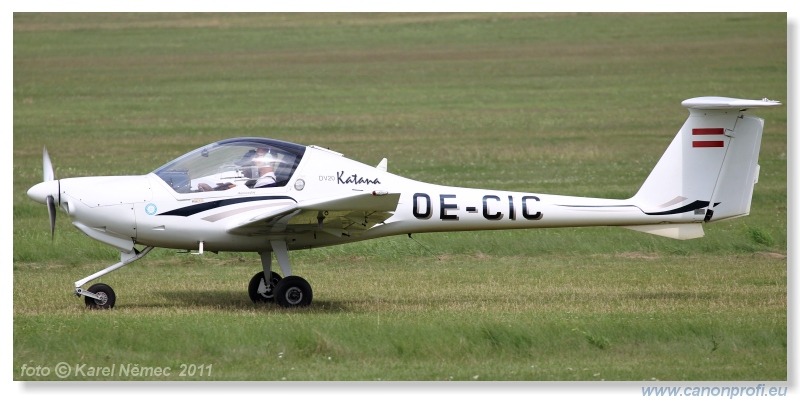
x=150, y=209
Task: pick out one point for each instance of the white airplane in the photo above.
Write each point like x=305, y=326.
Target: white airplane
x=270, y=196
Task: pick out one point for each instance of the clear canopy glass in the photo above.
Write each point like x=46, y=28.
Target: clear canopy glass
x=229, y=164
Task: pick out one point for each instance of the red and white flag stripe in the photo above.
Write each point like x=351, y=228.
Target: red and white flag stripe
x=714, y=131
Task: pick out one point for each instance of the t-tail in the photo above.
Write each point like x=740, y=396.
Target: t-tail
x=708, y=171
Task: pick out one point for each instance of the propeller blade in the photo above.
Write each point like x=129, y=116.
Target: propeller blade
x=51, y=211
x=47, y=167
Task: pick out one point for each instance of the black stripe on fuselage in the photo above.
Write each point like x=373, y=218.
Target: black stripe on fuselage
x=697, y=204
x=199, y=208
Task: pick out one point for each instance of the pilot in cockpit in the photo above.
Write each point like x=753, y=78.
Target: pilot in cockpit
x=257, y=164
x=265, y=162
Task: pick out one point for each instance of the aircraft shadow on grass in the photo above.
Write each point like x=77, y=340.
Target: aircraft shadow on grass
x=232, y=301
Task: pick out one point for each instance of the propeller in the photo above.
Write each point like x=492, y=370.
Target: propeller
x=45, y=192
x=47, y=167
x=51, y=212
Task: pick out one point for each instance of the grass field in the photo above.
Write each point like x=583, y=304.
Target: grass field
x=578, y=104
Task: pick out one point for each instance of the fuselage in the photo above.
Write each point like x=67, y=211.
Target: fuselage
x=155, y=210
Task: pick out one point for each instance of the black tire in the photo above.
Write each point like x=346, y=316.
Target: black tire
x=293, y=292
x=261, y=292
x=108, y=298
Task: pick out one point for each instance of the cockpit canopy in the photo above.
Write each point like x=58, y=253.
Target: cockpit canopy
x=227, y=164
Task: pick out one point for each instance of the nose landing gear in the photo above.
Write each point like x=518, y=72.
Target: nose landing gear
x=101, y=296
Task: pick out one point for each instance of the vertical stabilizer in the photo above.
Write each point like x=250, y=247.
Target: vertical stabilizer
x=709, y=170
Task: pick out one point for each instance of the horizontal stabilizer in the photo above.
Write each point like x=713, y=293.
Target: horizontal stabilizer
x=674, y=231
x=724, y=103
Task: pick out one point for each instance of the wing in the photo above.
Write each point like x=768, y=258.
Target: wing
x=337, y=216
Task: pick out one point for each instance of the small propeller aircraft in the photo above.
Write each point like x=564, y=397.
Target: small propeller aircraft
x=269, y=196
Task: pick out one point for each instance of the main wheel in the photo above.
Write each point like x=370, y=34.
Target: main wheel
x=293, y=292
x=261, y=291
x=106, y=294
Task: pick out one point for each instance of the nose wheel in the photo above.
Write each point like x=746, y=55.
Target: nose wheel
x=100, y=296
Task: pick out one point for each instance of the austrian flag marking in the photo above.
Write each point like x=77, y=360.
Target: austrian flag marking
x=715, y=131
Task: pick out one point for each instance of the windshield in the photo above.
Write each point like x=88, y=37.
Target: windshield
x=250, y=162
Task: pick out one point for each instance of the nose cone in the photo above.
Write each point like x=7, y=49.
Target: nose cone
x=40, y=191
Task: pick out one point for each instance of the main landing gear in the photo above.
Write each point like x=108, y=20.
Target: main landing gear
x=289, y=291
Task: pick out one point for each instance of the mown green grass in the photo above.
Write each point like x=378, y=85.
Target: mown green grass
x=612, y=317
x=580, y=104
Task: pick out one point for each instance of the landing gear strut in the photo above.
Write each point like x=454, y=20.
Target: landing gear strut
x=289, y=291
x=101, y=296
